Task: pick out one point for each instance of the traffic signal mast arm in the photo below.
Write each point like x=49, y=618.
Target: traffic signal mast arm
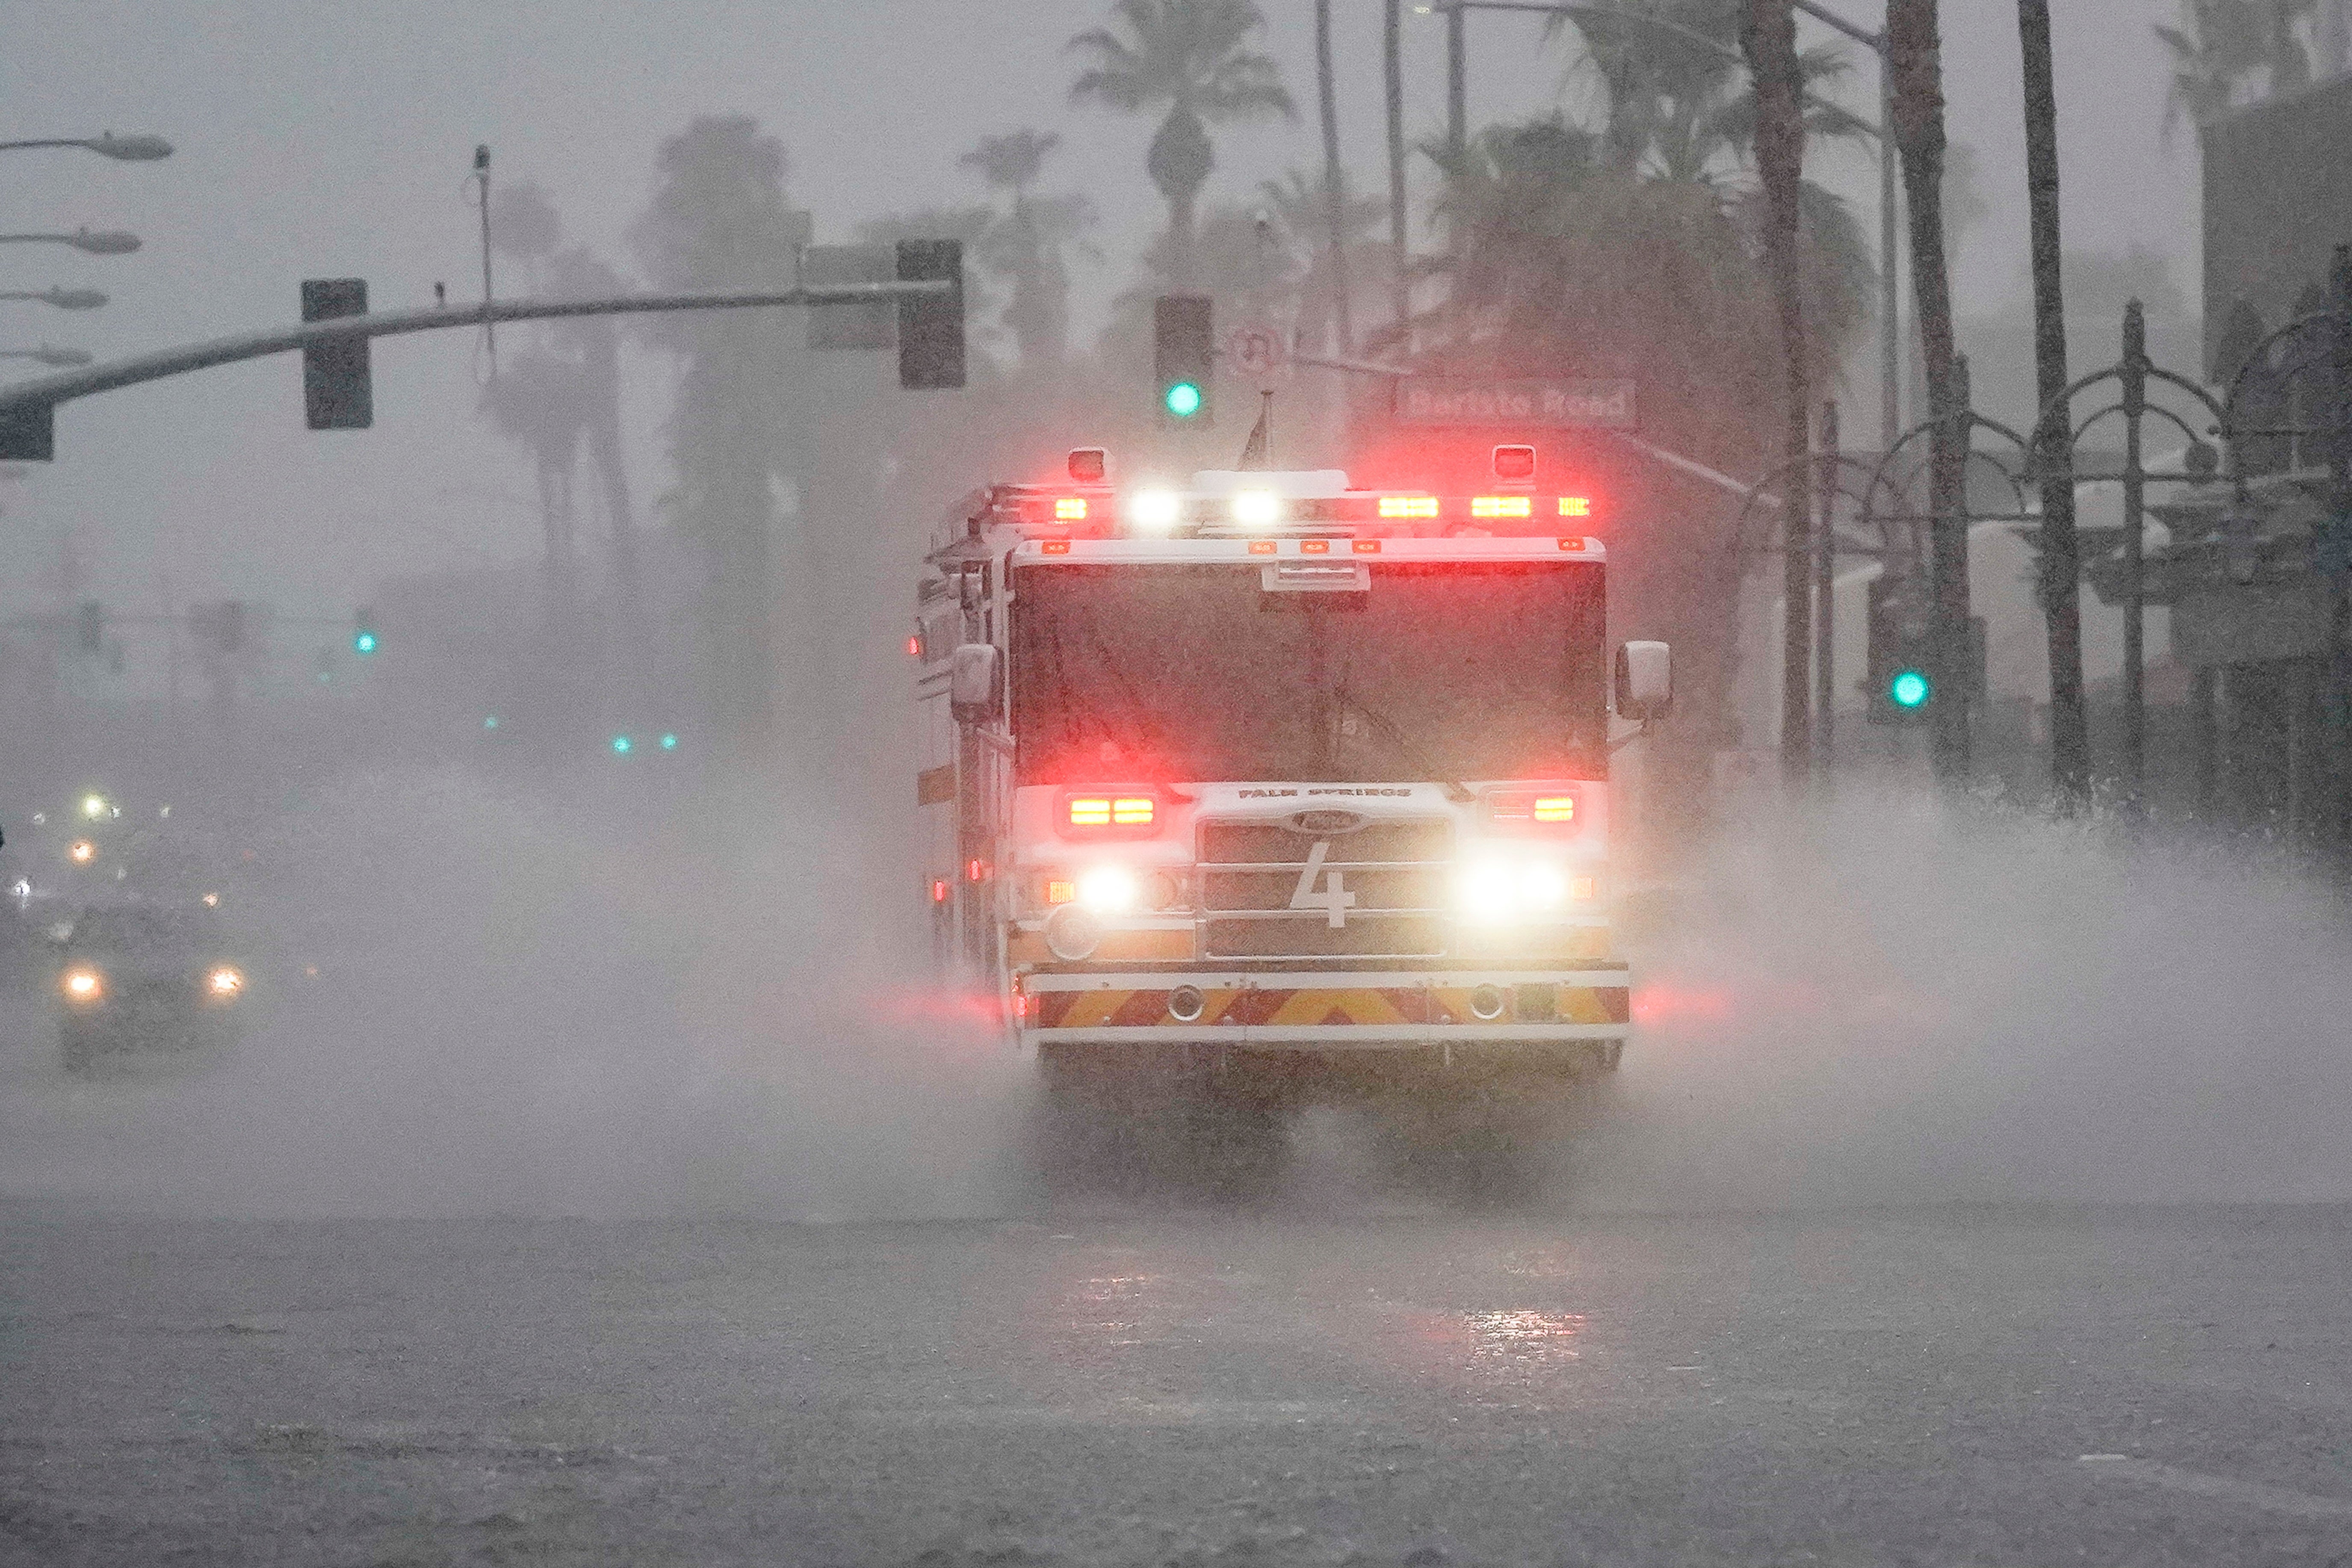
x=51, y=390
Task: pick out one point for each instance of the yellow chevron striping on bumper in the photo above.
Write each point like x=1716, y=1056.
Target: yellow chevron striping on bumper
x=1349, y=1006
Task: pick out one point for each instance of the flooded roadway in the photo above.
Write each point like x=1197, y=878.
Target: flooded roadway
x=1929, y=1385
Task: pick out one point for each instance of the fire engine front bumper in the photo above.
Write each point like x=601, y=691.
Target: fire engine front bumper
x=1329, y=1010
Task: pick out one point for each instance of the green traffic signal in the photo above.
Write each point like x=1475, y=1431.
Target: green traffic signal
x=623, y=745
x=1183, y=400
x=1910, y=688
x=362, y=642
x=669, y=742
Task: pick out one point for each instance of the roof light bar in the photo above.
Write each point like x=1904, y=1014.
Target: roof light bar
x=1500, y=506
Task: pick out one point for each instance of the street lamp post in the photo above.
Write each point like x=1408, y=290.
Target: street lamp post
x=1890, y=402
x=63, y=298
x=93, y=241
x=137, y=149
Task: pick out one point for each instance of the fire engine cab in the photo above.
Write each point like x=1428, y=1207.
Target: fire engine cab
x=1264, y=774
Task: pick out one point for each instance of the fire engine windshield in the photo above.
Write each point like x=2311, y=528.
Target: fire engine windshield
x=1196, y=672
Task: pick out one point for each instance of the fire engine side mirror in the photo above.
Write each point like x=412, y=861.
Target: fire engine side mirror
x=976, y=683
x=1645, y=680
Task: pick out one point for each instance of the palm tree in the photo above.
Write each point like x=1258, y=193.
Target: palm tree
x=1029, y=243
x=566, y=391
x=1673, y=98
x=2061, y=550
x=1914, y=58
x=1769, y=38
x=1335, y=184
x=1188, y=55
x=1393, y=85
x=719, y=219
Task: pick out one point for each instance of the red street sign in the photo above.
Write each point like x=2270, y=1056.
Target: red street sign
x=1551, y=401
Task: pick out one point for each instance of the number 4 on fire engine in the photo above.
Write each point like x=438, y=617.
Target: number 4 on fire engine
x=1333, y=898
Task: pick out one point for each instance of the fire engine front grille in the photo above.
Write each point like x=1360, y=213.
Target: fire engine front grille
x=1312, y=936
x=1278, y=843
x=1270, y=890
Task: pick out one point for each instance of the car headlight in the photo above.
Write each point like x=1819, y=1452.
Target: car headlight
x=83, y=984
x=225, y=983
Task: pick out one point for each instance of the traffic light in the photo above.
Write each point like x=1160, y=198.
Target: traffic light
x=337, y=392
x=364, y=637
x=90, y=626
x=1906, y=681
x=1181, y=353
x=1901, y=668
x=931, y=328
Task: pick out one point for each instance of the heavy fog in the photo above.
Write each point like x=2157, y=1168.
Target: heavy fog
x=516, y=971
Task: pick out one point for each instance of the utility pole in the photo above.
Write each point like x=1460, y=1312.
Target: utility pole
x=2061, y=554
x=482, y=190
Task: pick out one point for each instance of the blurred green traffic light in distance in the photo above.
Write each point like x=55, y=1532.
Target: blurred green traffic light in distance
x=623, y=745
x=1183, y=400
x=1910, y=689
x=491, y=723
x=362, y=642
x=669, y=742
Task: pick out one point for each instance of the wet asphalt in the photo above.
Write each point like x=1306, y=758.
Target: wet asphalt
x=1186, y=1385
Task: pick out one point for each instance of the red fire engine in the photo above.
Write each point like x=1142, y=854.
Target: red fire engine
x=1268, y=776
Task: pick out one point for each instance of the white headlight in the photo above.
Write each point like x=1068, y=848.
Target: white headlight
x=1256, y=509
x=1487, y=891
x=1154, y=509
x=1108, y=888
x=1542, y=887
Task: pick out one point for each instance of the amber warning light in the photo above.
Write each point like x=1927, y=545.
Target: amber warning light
x=1111, y=811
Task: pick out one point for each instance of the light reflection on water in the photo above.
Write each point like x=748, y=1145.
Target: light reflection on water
x=1109, y=1309
x=1523, y=1336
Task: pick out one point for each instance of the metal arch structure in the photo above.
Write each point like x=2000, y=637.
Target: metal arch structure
x=1974, y=421
x=2054, y=431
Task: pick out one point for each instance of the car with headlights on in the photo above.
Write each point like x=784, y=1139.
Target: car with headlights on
x=146, y=982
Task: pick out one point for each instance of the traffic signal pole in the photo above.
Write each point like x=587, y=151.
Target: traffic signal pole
x=26, y=407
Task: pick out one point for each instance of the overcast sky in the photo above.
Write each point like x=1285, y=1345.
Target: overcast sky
x=332, y=138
